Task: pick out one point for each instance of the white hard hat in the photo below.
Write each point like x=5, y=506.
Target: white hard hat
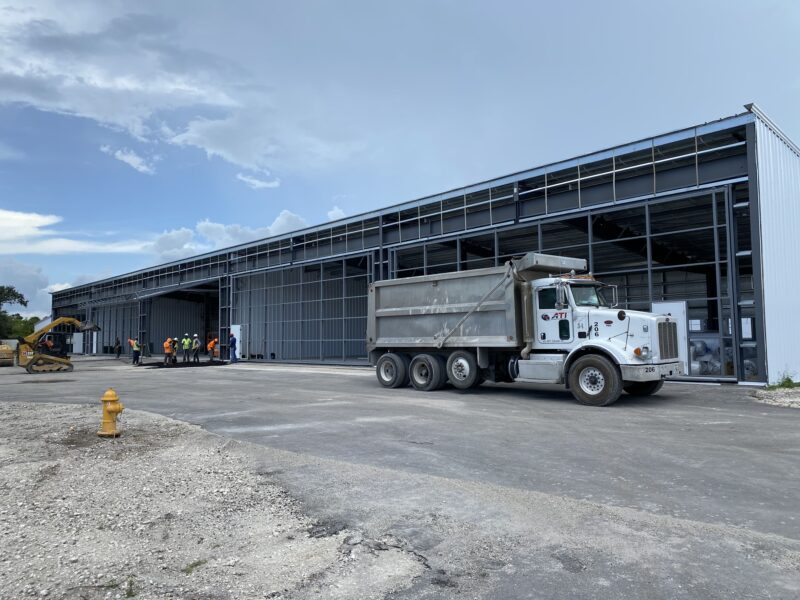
x=195, y=335
x=185, y=335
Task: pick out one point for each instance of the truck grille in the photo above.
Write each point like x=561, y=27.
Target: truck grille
x=668, y=340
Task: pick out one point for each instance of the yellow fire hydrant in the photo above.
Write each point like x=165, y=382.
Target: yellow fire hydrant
x=111, y=408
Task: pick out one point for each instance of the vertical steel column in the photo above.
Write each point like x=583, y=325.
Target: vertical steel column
x=647, y=232
x=755, y=244
x=344, y=309
x=720, y=314
x=591, y=241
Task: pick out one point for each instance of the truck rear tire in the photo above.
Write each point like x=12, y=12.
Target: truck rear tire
x=426, y=373
x=595, y=381
x=392, y=370
x=642, y=388
x=462, y=369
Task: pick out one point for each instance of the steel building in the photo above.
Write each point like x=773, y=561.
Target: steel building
x=708, y=215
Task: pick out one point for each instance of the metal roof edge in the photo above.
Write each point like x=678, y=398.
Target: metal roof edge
x=751, y=109
x=762, y=116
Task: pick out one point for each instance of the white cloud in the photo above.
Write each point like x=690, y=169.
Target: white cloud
x=17, y=225
x=139, y=74
x=256, y=139
x=130, y=158
x=287, y=221
x=9, y=153
x=257, y=184
x=59, y=245
x=25, y=233
x=222, y=236
x=336, y=213
x=57, y=287
x=29, y=233
x=32, y=282
x=176, y=244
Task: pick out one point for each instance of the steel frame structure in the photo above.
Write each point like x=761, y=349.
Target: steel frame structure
x=482, y=225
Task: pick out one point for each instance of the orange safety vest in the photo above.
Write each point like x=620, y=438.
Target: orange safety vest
x=168, y=347
x=211, y=345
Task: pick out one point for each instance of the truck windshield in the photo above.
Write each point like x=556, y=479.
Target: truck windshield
x=590, y=295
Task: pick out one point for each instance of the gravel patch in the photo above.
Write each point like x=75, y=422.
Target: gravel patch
x=788, y=398
x=167, y=511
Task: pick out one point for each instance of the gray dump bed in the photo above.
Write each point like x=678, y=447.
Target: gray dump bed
x=479, y=308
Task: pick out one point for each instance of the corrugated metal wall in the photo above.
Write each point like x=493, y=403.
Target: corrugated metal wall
x=119, y=320
x=313, y=313
x=779, y=203
x=171, y=317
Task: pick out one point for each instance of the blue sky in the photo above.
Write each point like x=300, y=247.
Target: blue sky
x=136, y=133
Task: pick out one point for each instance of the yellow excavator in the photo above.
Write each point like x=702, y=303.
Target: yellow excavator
x=43, y=353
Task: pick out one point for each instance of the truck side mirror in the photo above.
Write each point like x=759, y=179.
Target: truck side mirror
x=561, y=297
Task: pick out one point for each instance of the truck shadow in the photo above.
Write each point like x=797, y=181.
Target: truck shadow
x=557, y=394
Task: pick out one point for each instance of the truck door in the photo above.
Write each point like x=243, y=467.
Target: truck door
x=554, y=325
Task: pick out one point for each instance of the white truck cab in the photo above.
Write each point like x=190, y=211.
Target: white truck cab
x=574, y=318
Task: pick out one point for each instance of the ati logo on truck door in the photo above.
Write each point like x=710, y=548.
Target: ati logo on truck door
x=555, y=316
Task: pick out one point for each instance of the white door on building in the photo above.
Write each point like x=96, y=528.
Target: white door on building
x=237, y=330
x=77, y=342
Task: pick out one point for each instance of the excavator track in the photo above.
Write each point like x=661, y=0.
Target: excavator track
x=48, y=365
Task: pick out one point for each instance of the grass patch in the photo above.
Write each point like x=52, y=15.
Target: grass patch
x=189, y=569
x=786, y=383
x=129, y=592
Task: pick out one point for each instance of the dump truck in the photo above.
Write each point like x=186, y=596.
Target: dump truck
x=533, y=320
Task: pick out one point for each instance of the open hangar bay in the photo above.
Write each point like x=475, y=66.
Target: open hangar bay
x=705, y=217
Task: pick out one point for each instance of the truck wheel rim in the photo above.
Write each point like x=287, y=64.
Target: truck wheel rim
x=592, y=381
x=387, y=371
x=460, y=369
x=421, y=373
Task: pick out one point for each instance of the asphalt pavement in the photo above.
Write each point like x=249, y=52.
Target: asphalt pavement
x=508, y=491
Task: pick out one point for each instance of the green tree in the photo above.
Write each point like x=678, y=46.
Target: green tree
x=12, y=326
x=10, y=295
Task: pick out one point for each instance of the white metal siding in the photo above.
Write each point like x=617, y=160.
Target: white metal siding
x=779, y=201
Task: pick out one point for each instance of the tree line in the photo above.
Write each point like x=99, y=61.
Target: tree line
x=14, y=325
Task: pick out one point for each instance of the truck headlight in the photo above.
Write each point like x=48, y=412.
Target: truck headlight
x=643, y=352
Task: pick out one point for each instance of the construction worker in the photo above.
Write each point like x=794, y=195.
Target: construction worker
x=232, y=346
x=186, y=345
x=167, y=351
x=211, y=345
x=137, y=350
x=117, y=348
x=195, y=349
x=175, y=350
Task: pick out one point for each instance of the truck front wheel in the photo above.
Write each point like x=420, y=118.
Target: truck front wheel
x=642, y=388
x=462, y=369
x=392, y=370
x=595, y=381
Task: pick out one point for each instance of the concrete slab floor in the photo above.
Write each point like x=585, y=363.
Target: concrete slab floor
x=508, y=491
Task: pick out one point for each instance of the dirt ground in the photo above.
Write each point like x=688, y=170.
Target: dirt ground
x=167, y=510
x=786, y=397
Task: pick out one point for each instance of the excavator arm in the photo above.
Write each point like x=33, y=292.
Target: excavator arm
x=30, y=356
